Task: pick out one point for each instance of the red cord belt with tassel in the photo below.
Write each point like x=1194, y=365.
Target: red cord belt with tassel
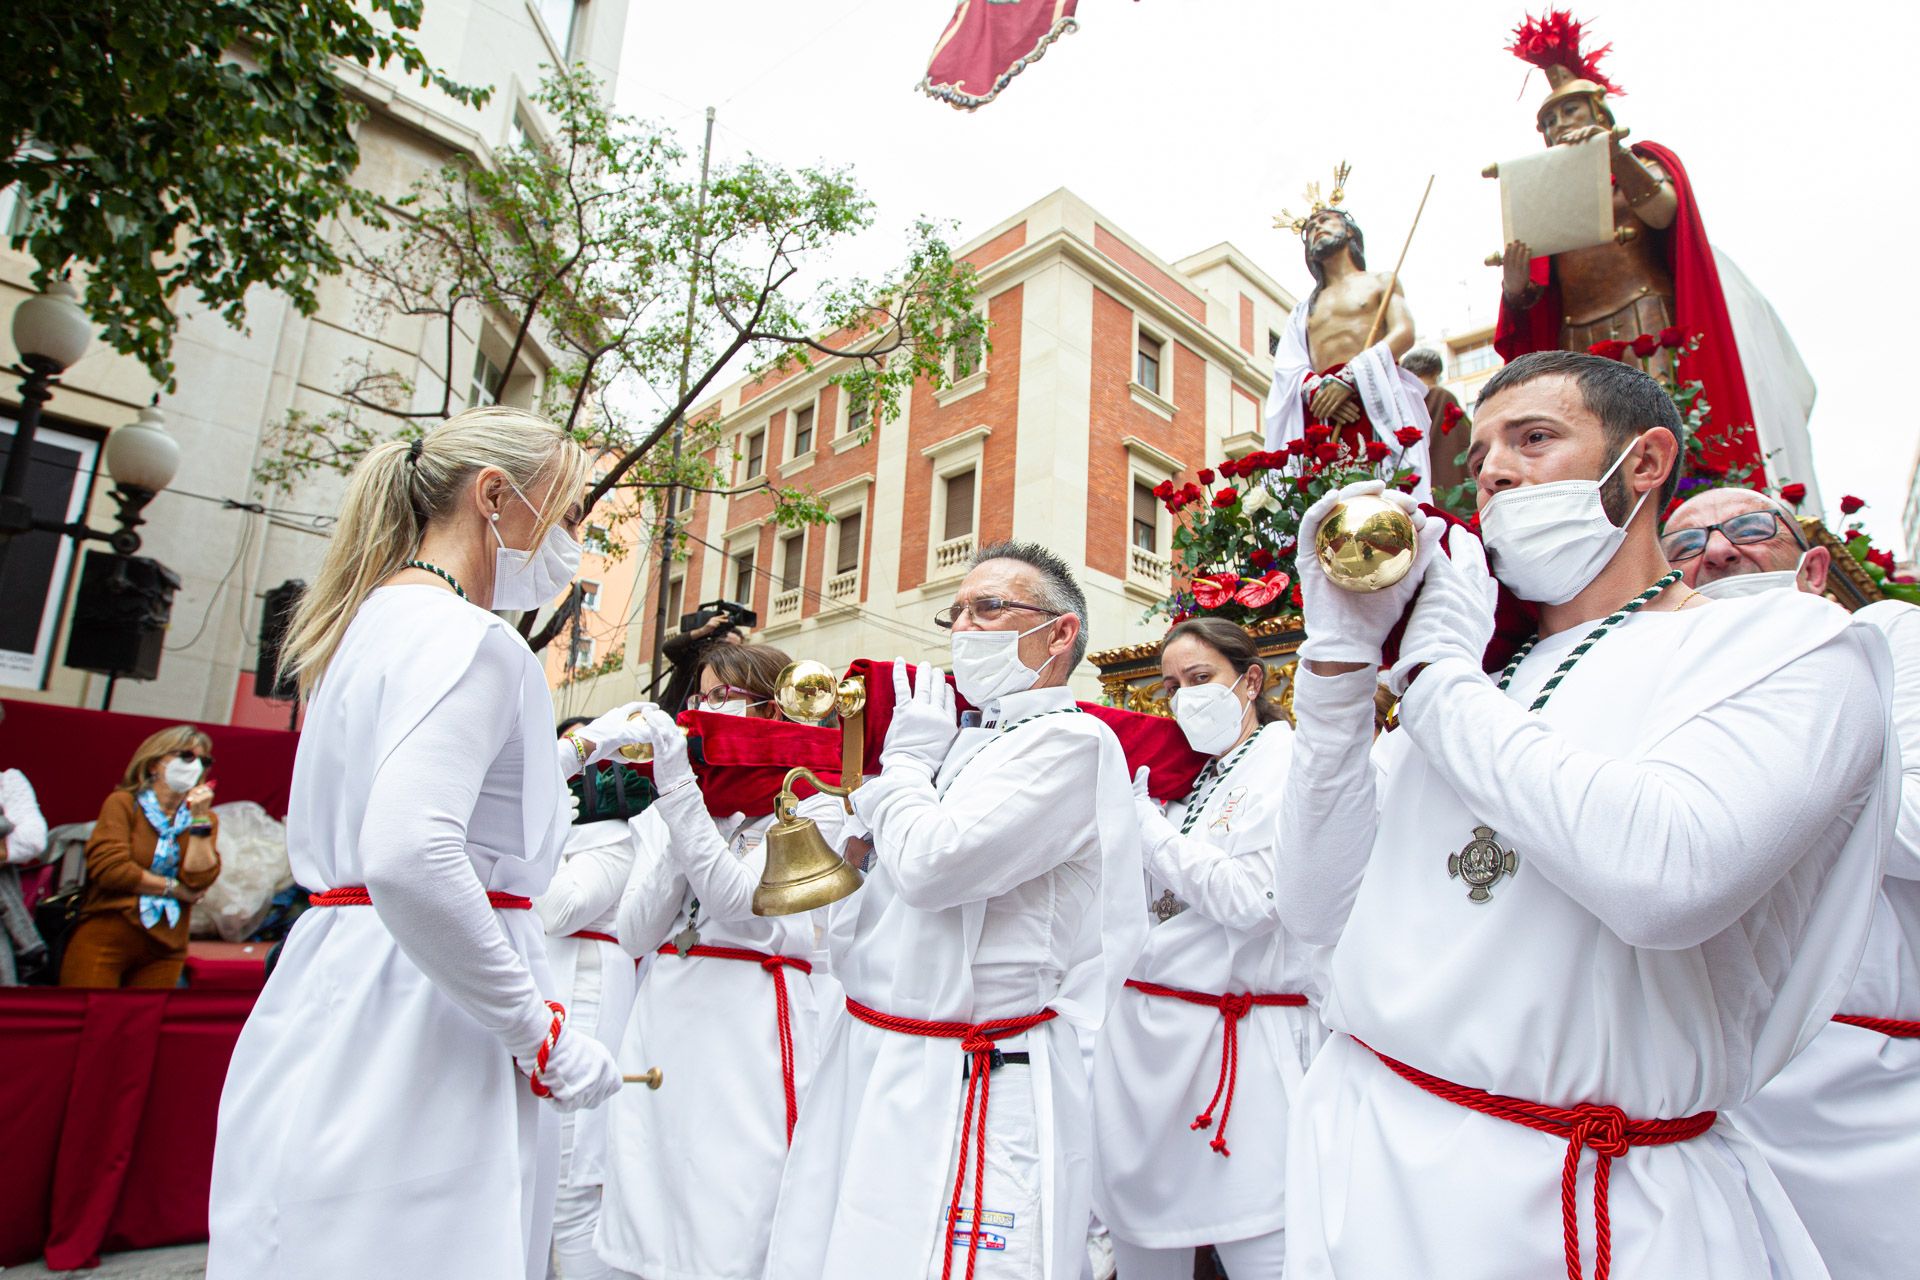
x=356, y=895
x=1898, y=1028
x=776, y=966
x=1606, y=1129
x=594, y=935
x=976, y=1041
x=1232, y=1008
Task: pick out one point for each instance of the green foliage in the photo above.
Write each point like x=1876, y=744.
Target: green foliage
x=587, y=249
x=203, y=146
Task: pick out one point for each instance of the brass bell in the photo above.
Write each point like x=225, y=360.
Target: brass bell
x=1366, y=543
x=802, y=872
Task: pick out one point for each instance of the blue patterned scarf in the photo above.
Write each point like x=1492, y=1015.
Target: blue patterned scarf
x=166, y=859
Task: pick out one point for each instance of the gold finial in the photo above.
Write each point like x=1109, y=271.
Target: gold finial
x=1315, y=202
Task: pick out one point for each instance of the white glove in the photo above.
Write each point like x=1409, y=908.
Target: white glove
x=1453, y=617
x=613, y=730
x=580, y=1072
x=1154, y=827
x=925, y=722
x=1352, y=626
x=670, y=765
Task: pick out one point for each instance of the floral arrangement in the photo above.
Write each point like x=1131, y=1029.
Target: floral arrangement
x=1878, y=563
x=1697, y=471
x=1237, y=526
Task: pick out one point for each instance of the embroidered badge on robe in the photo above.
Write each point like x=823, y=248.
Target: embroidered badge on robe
x=1481, y=864
x=1224, y=820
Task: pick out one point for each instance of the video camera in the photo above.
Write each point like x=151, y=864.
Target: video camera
x=738, y=616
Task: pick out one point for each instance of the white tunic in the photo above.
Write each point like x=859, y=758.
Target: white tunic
x=373, y=1122
x=1011, y=889
x=693, y=1169
x=593, y=978
x=1158, y=1184
x=1689, y=903
x=1841, y=1124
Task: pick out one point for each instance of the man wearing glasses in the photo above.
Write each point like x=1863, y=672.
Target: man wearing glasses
x=999, y=917
x=1841, y=1124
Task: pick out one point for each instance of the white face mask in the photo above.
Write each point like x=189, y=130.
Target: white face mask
x=182, y=775
x=1546, y=542
x=1736, y=585
x=735, y=707
x=986, y=664
x=1210, y=715
x=528, y=579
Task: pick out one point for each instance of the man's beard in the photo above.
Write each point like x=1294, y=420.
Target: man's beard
x=1327, y=244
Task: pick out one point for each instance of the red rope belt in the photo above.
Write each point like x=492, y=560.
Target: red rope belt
x=1604, y=1128
x=976, y=1040
x=594, y=935
x=356, y=895
x=1895, y=1027
x=1232, y=1008
x=783, y=1015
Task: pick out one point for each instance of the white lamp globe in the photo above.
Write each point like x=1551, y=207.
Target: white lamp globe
x=142, y=454
x=51, y=326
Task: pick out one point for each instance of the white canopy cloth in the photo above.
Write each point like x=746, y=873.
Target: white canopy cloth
x=1841, y=1124
x=1779, y=387
x=1012, y=888
x=1688, y=906
x=1157, y=1182
x=373, y=1122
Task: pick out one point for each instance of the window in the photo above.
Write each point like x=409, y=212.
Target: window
x=683, y=499
x=563, y=23
x=859, y=410
x=743, y=577
x=959, y=506
x=1146, y=369
x=1475, y=359
x=792, y=553
x=969, y=357
x=676, y=602
x=756, y=454
x=485, y=387
x=589, y=595
x=1146, y=522
x=581, y=653
x=597, y=539
x=1273, y=342
x=803, y=431
x=847, y=550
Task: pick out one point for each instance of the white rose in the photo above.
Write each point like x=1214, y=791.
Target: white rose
x=1256, y=499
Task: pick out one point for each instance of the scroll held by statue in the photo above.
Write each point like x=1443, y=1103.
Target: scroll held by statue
x=1558, y=199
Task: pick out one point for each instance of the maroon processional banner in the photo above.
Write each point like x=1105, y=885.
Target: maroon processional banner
x=988, y=43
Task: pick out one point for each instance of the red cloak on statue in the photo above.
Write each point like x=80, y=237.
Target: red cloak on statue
x=1700, y=310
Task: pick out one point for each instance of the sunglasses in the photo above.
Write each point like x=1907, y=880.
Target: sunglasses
x=1741, y=530
x=189, y=756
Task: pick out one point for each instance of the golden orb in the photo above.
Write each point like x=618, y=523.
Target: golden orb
x=1366, y=543
x=807, y=691
x=639, y=752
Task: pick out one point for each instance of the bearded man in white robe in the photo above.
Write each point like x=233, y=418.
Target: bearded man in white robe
x=1841, y=1124
x=948, y=1132
x=1581, y=909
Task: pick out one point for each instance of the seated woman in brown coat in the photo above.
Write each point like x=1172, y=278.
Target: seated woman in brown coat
x=152, y=855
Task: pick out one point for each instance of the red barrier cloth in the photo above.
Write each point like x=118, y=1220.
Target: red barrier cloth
x=227, y=966
x=987, y=43
x=93, y=748
x=109, y=1134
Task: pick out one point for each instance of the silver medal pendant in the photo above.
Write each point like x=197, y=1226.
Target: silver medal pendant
x=1167, y=906
x=1481, y=863
x=686, y=940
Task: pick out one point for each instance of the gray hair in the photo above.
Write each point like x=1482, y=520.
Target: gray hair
x=1422, y=362
x=1058, y=590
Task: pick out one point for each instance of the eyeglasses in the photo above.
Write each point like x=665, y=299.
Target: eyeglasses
x=189, y=755
x=719, y=696
x=985, y=609
x=1742, y=530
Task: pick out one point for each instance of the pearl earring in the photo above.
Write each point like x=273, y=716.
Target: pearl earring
x=495, y=517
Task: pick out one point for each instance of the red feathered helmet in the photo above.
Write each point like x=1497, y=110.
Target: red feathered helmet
x=1552, y=43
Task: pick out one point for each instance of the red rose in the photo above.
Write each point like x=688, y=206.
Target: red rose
x=1645, y=345
x=1191, y=492
x=1229, y=469
x=1326, y=451
x=1452, y=417
x=1206, y=475
x=1406, y=486
x=1672, y=339
x=1163, y=490
x=1294, y=595
x=1226, y=498
x=1882, y=558
x=1319, y=431
x=1854, y=534
x=1377, y=450
x=1261, y=558
x=1671, y=507
x=1794, y=493
x=1850, y=504
x=1611, y=349
x=1303, y=483
x=1409, y=436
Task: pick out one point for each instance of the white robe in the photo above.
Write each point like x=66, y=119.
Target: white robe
x=1011, y=888
x=693, y=1169
x=1689, y=904
x=1393, y=398
x=1841, y=1124
x=1158, y=1184
x=373, y=1122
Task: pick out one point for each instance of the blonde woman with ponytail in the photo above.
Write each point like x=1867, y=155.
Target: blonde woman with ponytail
x=382, y=1114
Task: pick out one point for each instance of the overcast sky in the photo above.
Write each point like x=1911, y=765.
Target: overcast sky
x=1188, y=122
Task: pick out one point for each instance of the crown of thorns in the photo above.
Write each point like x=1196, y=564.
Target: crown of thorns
x=1315, y=202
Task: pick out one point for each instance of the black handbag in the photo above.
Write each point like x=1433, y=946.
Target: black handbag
x=55, y=917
